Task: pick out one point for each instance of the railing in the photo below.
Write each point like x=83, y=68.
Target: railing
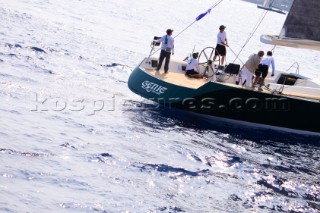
x=297, y=67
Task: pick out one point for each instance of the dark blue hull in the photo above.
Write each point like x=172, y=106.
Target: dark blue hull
x=220, y=100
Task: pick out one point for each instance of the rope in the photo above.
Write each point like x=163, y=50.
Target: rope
x=235, y=55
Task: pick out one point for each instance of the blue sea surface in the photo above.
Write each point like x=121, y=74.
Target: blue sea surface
x=74, y=138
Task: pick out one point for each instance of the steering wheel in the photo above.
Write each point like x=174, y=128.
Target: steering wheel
x=205, y=60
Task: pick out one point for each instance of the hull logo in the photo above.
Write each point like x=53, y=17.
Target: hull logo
x=153, y=87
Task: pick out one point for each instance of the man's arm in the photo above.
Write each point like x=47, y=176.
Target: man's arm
x=273, y=67
x=226, y=43
x=172, y=46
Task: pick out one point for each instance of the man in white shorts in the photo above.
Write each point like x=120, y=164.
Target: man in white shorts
x=249, y=68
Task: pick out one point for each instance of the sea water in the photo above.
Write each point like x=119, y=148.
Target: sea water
x=74, y=138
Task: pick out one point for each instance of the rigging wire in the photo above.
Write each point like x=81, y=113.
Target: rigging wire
x=262, y=17
x=213, y=6
x=197, y=19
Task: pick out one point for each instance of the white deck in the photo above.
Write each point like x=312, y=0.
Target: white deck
x=305, y=88
x=177, y=78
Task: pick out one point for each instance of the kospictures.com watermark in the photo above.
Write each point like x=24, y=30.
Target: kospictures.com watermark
x=92, y=107
x=237, y=104
x=234, y=104
x=58, y=104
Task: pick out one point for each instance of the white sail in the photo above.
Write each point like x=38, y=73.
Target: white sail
x=268, y=5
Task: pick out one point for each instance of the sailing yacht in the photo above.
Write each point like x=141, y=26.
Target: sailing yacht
x=289, y=101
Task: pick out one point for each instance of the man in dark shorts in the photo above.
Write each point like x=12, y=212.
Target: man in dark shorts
x=221, y=44
x=262, y=71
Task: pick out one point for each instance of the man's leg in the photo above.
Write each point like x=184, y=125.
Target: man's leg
x=214, y=58
x=197, y=76
x=222, y=60
x=261, y=84
x=248, y=78
x=256, y=78
x=166, y=63
x=262, y=81
x=216, y=53
x=223, y=53
x=162, y=55
x=264, y=74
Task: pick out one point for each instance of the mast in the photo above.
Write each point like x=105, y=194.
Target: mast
x=267, y=3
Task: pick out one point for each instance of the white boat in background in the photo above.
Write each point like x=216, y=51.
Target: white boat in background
x=268, y=5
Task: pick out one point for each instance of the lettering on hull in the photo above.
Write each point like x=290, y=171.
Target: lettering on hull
x=153, y=87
